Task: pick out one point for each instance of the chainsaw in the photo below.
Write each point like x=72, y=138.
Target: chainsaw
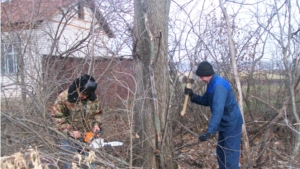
x=95, y=141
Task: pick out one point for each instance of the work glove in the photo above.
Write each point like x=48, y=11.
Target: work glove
x=205, y=136
x=189, y=92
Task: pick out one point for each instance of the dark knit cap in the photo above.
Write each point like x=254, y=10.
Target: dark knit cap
x=205, y=69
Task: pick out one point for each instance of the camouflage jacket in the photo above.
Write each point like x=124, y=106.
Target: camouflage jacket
x=78, y=116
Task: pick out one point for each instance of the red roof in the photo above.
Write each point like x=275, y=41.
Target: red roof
x=24, y=11
x=15, y=12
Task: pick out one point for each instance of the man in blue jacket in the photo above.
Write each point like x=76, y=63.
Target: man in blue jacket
x=226, y=117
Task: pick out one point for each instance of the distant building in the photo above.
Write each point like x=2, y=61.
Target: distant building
x=32, y=30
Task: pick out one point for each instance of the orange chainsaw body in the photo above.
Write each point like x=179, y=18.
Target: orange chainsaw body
x=88, y=136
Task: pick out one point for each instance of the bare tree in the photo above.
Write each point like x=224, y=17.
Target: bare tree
x=236, y=76
x=153, y=147
x=55, y=41
x=283, y=15
x=255, y=45
x=262, y=86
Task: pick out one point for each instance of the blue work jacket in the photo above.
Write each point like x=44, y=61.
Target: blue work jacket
x=226, y=114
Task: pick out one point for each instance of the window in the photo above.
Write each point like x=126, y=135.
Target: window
x=9, y=59
x=2, y=1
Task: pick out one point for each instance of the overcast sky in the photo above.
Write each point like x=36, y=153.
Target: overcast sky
x=188, y=19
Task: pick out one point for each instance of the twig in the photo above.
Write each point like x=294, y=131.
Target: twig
x=187, y=145
x=186, y=128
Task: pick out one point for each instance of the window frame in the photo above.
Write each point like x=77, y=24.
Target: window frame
x=9, y=58
x=3, y=1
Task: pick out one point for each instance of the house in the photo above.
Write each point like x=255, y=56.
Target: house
x=41, y=38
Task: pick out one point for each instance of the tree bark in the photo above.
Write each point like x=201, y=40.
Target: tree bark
x=152, y=146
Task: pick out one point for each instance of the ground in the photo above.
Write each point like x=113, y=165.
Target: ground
x=192, y=154
x=189, y=152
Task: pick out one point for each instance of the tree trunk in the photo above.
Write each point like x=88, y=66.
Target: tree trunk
x=237, y=80
x=152, y=146
x=290, y=80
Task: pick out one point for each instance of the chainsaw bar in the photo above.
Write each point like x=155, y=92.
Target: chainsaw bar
x=99, y=142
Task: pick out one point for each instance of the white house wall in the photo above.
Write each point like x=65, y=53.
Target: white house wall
x=40, y=42
x=76, y=30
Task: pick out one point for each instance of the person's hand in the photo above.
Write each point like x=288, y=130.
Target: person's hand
x=96, y=128
x=75, y=134
x=205, y=136
x=188, y=91
x=97, y=131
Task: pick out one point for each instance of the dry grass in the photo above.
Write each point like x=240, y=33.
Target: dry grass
x=32, y=159
x=23, y=160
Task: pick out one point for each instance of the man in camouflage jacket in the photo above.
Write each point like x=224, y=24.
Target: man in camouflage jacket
x=76, y=111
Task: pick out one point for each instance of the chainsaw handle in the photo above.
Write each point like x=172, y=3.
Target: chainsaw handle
x=98, y=134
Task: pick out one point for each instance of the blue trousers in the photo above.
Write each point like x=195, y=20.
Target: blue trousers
x=228, y=148
x=72, y=147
